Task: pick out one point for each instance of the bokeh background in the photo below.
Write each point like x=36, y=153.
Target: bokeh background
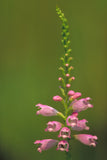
x=30, y=49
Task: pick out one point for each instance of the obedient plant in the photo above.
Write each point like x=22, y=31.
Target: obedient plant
x=71, y=103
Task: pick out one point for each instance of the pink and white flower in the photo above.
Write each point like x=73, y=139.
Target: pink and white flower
x=65, y=133
x=63, y=146
x=81, y=124
x=87, y=139
x=45, y=144
x=46, y=110
x=53, y=126
x=81, y=105
x=72, y=119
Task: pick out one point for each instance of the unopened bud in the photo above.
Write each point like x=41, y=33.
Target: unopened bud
x=67, y=75
x=68, y=85
x=73, y=78
x=69, y=59
x=60, y=79
x=57, y=98
x=71, y=93
x=70, y=68
x=69, y=50
x=60, y=68
x=76, y=95
x=66, y=64
x=66, y=54
x=62, y=58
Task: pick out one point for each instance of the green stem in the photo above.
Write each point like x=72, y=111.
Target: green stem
x=68, y=156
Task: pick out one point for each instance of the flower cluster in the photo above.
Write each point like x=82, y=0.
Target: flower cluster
x=72, y=103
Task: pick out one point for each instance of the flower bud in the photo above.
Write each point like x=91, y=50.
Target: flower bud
x=57, y=98
x=60, y=79
x=70, y=68
x=76, y=95
x=67, y=65
x=71, y=93
x=73, y=78
x=67, y=75
x=66, y=54
x=68, y=85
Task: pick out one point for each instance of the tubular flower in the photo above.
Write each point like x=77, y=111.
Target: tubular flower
x=81, y=124
x=53, y=126
x=87, y=139
x=63, y=146
x=57, y=98
x=65, y=133
x=72, y=120
x=46, y=144
x=46, y=110
x=81, y=104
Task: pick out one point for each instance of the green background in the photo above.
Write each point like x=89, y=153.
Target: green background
x=30, y=49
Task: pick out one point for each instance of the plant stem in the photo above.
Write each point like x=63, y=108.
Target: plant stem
x=68, y=156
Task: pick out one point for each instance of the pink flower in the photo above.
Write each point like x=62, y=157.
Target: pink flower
x=63, y=146
x=46, y=144
x=71, y=93
x=81, y=105
x=81, y=124
x=53, y=126
x=76, y=95
x=87, y=139
x=72, y=120
x=65, y=133
x=57, y=98
x=46, y=110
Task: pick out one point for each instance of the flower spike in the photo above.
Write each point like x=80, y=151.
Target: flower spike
x=71, y=102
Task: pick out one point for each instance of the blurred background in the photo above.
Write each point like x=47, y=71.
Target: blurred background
x=30, y=49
